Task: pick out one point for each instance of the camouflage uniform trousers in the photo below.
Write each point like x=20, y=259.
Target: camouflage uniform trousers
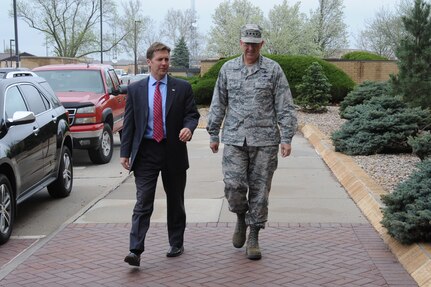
x=249, y=169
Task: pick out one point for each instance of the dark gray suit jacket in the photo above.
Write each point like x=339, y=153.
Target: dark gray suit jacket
x=181, y=113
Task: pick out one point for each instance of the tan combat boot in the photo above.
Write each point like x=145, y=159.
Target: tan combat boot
x=253, y=250
x=239, y=235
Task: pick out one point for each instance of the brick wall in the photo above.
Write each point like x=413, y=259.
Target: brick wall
x=33, y=62
x=207, y=64
x=360, y=71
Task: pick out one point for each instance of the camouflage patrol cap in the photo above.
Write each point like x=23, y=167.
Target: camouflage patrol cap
x=251, y=33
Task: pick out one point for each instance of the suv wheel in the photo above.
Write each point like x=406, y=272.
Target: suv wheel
x=62, y=186
x=7, y=209
x=103, y=153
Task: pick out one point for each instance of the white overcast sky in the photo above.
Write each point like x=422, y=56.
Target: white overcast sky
x=356, y=12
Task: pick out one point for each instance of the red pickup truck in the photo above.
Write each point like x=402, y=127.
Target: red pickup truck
x=95, y=101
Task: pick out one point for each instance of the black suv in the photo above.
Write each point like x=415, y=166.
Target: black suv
x=35, y=145
x=6, y=73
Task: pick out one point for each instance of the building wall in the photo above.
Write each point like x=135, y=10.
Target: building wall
x=33, y=62
x=207, y=64
x=360, y=71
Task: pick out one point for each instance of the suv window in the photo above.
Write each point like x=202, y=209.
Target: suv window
x=114, y=78
x=38, y=104
x=14, y=102
x=109, y=81
x=50, y=92
x=74, y=80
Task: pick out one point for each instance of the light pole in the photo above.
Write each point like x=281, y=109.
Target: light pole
x=10, y=50
x=101, y=34
x=16, y=33
x=136, y=48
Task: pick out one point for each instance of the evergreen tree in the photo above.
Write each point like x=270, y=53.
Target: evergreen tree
x=407, y=215
x=382, y=124
x=313, y=93
x=181, y=54
x=413, y=81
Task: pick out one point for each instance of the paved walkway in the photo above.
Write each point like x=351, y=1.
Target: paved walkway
x=316, y=236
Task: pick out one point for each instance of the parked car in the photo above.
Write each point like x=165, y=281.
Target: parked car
x=122, y=75
x=120, y=72
x=95, y=100
x=35, y=146
x=6, y=73
x=138, y=77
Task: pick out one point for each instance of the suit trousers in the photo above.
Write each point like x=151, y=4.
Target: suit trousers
x=150, y=161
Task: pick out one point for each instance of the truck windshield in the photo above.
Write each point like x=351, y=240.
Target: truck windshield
x=74, y=80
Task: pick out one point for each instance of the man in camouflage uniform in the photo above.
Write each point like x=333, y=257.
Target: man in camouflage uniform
x=253, y=98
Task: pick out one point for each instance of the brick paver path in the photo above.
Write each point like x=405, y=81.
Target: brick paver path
x=293, y=255
x=12, y=248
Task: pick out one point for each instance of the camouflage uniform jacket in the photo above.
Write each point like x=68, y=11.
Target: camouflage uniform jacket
x=255, y=105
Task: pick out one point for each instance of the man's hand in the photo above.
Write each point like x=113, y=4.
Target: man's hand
x=214, y=146
x=185, y=134
x=285, y=149
x=125, y=162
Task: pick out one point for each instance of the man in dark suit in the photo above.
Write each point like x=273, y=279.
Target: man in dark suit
x=160, y=118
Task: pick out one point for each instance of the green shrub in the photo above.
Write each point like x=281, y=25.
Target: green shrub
x=421, y=145
x=192, y=80
x=203, y=90
x=313, y=91
x=362, y=56
x=381, y=125
x=294, y=68
x=362, y=93
x=407, y=215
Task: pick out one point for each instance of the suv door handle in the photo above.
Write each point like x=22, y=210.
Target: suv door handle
x=54, y=119
x=36, y=130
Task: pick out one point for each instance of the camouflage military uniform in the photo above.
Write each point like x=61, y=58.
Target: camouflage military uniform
x=257, y=108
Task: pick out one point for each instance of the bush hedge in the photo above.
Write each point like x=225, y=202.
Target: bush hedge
x=421, y=145
x=407, y=215
x=381, y=125
x=294, y=68
x=362, y=56
x=362, y=93
x=203, y=90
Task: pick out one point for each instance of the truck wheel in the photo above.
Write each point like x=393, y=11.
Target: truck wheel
x=62, y=186
x=103, y=153
x=7, y=209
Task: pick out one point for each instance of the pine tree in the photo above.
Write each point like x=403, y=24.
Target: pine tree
x=181, y=54
x=313, y=92
x=407, y=215
x=413, y=81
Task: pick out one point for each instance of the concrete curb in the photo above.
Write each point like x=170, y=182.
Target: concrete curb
x=415, y=258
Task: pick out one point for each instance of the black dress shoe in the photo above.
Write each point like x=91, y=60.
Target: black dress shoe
x=133, y=259
x=175, y=251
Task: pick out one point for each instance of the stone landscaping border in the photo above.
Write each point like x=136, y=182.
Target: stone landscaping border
x=365, y=192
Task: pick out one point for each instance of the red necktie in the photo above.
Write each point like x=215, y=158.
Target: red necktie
x=158, y=115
